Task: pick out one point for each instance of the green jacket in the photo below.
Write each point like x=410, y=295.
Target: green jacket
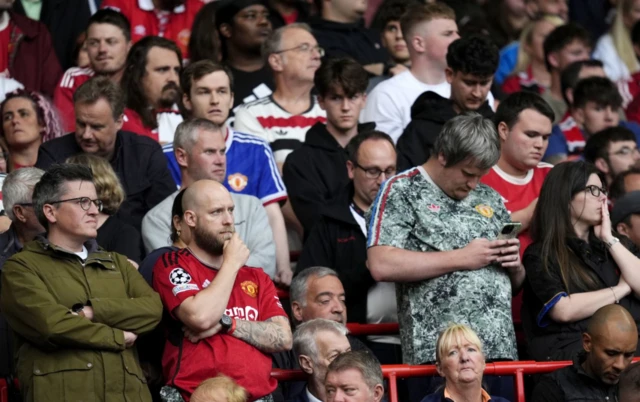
x=65, y=357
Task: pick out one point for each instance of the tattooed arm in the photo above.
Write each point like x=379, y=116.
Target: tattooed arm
x=270, y=336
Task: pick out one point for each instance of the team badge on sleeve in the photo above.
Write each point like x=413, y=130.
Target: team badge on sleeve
x=179, y=276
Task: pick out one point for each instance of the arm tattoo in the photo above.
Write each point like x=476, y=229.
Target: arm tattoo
x=270, y=336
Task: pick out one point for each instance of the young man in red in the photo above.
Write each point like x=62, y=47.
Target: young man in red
x=524, y=122
x=223, y=316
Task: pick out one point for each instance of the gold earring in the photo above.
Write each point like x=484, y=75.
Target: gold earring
x=178, y=232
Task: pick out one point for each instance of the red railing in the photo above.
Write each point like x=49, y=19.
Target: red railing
x=518, y=369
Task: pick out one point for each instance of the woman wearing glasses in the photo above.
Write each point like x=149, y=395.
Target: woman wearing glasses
x=113, y=233
x=575, y=265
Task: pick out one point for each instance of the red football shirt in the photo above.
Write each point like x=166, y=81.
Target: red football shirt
x=146, y=21
x=179, y=275
x=63, y=95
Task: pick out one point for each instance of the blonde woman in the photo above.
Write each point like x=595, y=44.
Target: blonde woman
x=113, y=233
x=531, y=71
x=219, y=389
x=460, y=360
x=615, y=48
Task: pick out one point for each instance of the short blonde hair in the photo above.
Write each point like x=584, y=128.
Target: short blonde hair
x=455, y=334
x=417, y=14
x=108, y=186
x=207, y=388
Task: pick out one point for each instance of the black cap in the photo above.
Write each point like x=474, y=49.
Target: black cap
x=229, y=8
x=626, y=205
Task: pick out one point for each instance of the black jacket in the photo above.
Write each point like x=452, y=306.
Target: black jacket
x=139, y=163
x=573, y=384
x=428, y=114
x=337, y=241
x=9, y=245
x=316, y=173
x=349, y=40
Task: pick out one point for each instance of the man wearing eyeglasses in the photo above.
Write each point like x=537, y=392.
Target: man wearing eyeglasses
x=317, y=172
x=76, y=309
x=338, y=239
x=613, y=151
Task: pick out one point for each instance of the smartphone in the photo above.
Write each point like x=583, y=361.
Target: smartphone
x=509, y=230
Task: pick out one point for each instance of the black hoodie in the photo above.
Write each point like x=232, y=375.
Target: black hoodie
x=428, y=114
x=316, y=173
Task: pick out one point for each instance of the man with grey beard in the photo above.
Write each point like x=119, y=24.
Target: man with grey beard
x=223, y=314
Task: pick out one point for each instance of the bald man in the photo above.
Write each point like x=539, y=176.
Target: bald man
x=223, y=316
x=609, y=346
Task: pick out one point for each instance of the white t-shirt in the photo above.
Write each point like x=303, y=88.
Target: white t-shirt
x=614, y=67
x=389, y=104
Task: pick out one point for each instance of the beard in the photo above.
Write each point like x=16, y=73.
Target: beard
x=170, y=95
x=209, y=241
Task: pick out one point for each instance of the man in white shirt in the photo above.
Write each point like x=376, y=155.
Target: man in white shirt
x=428, y=31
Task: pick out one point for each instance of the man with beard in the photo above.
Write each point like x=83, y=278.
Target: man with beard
x=222, y=315
x=609, y=346
x=151, y=83
x=138, y=161
x=28, y=54
x=171, y=19
x=243, y=26
x=108, y=43
x=200, y=152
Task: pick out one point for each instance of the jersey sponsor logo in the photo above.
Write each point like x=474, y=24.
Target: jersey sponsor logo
x=250, y=288
x=179, y=276
x=183, y=288
x=434, y=208
x=140, y=30
x=243, y=313
x=485, y=210
x=206, y=284
x=237, y=181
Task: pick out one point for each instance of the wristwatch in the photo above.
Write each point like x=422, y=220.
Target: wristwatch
x=228, y=324
x=78, y=309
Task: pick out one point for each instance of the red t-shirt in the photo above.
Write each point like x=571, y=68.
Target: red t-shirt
x=146, y=21
x=5, y=45
x=63, y=94
x=517, y=194
x=179, y=275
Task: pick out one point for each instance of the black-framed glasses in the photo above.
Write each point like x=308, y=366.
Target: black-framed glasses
x=374, y=173
x=25, y=204
x=626, y=151
x=84, y=202
x=595, y=190
x=304, y=48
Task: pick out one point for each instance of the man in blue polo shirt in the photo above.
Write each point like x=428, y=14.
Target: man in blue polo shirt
x=251, y=169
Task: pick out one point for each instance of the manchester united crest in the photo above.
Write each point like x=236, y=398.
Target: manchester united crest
x=484, y=210
x=250, y=288
x=237, y=181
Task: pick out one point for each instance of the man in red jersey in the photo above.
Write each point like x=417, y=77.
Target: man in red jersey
x=223, y=316
x=171, y=19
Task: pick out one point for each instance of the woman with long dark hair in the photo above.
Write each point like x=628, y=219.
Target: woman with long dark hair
x=575, y=264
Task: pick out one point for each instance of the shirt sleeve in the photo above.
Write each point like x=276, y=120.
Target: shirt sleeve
x=245, y=122
x=384, y=111
x=269, y=304
x=557, y=144
x=546, y=284
x=173, y=281
x=270, y=185
x=390, y=218
x=63, y=101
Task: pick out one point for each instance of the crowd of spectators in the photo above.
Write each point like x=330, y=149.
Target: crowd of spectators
x=466, y=169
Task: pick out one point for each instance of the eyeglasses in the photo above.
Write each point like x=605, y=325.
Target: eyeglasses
x=374, y=173
x=595, y=190
x=84, y=202
x=25, y=204
x=626, y=151
x=304, y=48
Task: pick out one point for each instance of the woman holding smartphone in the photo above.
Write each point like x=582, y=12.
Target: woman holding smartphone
x=575, y=264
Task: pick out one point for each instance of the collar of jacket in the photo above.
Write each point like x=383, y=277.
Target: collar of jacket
x=94, y=253
x=338, y=208
x=578, y=359
x=431, y=106
x=10, y=240
x=319, y=137
x=27, y=26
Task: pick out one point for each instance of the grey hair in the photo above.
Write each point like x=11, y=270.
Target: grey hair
x=468, y=136
x=274, y=41
x=304, y=338
x=299, y=284
x=188, y=131
x=17, y=188
x=363, y=361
